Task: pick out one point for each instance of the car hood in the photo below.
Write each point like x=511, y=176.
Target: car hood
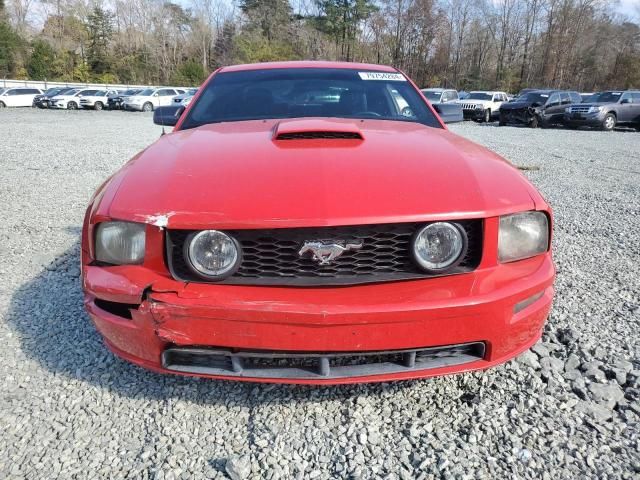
x=238, y=175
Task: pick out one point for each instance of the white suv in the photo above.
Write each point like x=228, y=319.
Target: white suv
x=18, y=97
x=483, y=106
x=151, y=98
x=98, y=100
x=70, y=100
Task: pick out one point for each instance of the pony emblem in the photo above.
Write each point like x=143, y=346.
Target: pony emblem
x=326, y=252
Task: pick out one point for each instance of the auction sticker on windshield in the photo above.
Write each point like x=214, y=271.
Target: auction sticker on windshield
x=382, y=76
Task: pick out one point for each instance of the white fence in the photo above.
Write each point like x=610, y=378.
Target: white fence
x=43, y=85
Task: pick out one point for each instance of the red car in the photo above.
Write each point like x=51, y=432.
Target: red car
x=315, y=222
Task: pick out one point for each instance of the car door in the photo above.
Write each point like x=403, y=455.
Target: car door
x=553, y=109
x=635, y=108
x=625, y=108
x=18, y=98
x=449, y=110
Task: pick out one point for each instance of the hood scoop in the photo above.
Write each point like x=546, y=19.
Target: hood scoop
x=317, y=129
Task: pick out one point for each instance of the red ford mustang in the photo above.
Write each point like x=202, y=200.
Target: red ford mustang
x=315, y=222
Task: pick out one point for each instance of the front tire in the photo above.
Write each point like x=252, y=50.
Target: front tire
x=72, y=106
x=609, y=122
x=502, y=122
x=147, y=107
x=2, y=105
x=98, y=106
x=535, y=122
x=487, y=115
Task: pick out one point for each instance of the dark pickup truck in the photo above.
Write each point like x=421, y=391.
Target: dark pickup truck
x=538, y=108
x=605, y=110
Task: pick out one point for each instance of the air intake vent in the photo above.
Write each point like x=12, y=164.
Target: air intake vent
x=319, y=135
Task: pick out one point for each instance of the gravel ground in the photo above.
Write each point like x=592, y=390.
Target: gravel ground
x=568, y=409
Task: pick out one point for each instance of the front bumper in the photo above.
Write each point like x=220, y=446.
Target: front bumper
x=584, y=119
x=522, y=116
x=475, y=114
x=435, y=312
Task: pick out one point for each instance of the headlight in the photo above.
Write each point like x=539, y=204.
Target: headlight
x=567, y=110
x=522, y=235
x=439, y=246
x=120, y=243
x=595, y=109
x=212, y=254
x=478, y=107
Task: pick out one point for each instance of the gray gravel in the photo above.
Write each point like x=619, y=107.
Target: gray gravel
x=569, y=408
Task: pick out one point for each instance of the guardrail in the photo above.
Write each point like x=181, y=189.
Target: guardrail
x=43, y=85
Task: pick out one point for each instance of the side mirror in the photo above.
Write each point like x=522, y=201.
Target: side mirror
x=155, y=94
x=167, y=116
x=625, y=100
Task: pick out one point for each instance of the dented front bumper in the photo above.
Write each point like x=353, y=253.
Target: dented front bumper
x=162, y=313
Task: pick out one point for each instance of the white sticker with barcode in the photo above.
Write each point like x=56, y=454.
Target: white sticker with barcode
x=396, y=77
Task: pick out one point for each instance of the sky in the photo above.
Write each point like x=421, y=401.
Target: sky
x=631, y=8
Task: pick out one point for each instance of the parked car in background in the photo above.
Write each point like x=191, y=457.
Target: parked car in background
x=42, y=101
x=445, y=102
x=70, y=99
x=116, y=102
x=98, y=100
x=483, y=106
x=185, y=98
x=151, y=98
x=19, y=97
x=606, y=110
x=538, y=108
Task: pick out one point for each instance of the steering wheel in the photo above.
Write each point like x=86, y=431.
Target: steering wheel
x=375, y=114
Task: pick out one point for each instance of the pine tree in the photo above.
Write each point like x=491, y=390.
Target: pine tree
x=100, y=27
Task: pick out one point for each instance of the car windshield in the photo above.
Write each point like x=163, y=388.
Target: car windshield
x=146, y=93
x=608, y=97
x=308, y=92
x=71, y=91
x=432, y=96
x=192, y=91
x=533, y=97
x=480, y=96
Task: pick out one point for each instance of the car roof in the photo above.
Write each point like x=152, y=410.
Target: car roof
x=437, y=89
x=486, y=91
x=308, y=64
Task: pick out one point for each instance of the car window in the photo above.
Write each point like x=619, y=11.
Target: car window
x=626, y=96
x=451, y=95
x=15, y=92
x=479, y=96
x=308, y=92
x=565, y=98
x=575, y=97
x=554, y=99
x=433, y=97
x=166, y=92
x=636, y=97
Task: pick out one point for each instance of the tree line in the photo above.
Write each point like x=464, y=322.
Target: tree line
x=464, y=44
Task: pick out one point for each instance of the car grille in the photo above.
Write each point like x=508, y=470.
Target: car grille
x=316, y=366
x=579, y=109
x=270, y=257
x=469, y=106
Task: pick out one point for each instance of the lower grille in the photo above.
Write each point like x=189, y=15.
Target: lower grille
x=319, y=366
x=271, y=257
